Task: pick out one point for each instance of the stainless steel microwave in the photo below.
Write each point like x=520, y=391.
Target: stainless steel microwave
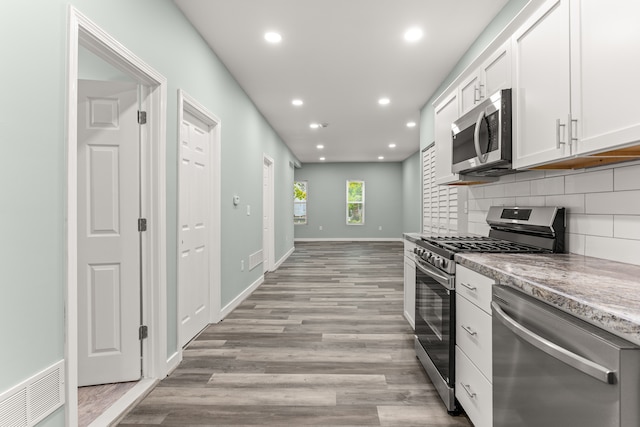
x=482, y=138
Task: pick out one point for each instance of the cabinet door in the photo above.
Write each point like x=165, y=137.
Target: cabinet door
x=496, y=72
x=409, y=291
x=541, y=87
x=469, y=93
x=445, y=114
x=604, y=70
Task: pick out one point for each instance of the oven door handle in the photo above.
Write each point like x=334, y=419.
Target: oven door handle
x=432, y=272
x=578, y=362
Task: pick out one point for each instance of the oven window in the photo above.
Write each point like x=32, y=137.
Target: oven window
x=435, y=322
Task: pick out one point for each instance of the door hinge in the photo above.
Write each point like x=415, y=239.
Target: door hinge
x=142, y=117
x=142, y=224
x=143, y=332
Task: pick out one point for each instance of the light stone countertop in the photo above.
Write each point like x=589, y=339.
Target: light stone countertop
x=604, y=293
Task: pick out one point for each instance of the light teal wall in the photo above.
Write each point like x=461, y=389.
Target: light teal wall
x=511, y=9
x=33, y=171
x=411, y=194
x=326, y=204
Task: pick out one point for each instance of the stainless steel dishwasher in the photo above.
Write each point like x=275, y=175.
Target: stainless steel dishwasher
x=552, y=369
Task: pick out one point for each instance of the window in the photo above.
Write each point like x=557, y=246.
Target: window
x=355, y=202
x=300, y=202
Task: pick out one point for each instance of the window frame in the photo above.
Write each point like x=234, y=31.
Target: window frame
x=305, y=202
x=348, y=202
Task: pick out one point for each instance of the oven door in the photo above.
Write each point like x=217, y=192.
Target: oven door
x=435, y=318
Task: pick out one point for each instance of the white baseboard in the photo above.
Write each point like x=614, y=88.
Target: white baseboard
x=284, y=258
x=119, y=410
x=238, y=300
x=173, y=361
x=349, y=239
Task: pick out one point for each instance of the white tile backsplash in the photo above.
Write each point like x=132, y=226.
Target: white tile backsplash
x=626, y=178
x=619, y=202
x=603, y=206
x=547, y=186
x=589, y=182
x=626, y=226
x=624, y=250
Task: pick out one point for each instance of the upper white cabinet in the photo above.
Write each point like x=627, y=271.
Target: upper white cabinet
x=541, y=86
x=446, y=112
x=605, y=65
x=494, y=74
x=575, y=68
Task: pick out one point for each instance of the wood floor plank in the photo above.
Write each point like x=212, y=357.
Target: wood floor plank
x=322, y=342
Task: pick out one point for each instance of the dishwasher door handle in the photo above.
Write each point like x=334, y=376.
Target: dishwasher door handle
x=572, y=359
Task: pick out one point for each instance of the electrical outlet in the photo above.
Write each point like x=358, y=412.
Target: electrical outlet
x=248, y=209
x=320, y=227
x=241, y=265
x=380, y=228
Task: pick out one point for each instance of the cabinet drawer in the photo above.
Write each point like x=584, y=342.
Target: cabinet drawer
x=475, y=287
x=473, y=391
x=473, y=334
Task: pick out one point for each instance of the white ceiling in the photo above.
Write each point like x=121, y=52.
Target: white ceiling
x=340, y=57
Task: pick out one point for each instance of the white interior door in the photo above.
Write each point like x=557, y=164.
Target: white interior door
x=108, y=237
x=268, y=237
x=195, y=194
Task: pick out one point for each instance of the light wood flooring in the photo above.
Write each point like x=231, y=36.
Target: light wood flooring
x=322, y=342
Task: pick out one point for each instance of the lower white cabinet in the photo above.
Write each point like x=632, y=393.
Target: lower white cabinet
x=473, y=391
x=409, y=283
x=474, y=370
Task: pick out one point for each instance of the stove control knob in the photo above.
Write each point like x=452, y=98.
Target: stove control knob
x=443, y=263
x=434, y=260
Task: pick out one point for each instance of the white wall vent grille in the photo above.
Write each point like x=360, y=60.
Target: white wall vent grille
x=34, y=399
x=255, y=259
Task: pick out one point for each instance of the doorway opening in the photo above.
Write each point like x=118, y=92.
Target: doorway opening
x=151, y=96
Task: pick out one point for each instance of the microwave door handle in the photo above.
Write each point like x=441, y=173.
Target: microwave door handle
x=482, y=158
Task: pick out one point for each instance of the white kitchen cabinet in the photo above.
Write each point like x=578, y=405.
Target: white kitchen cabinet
x=605, y=65
x=409, y=283
x=494, y=74
x=575, y=73
x=541, y=93
x=474, y=371
x=473, y=391
x=445, y=113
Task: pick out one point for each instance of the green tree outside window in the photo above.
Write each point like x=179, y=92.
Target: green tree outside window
x=355, y=202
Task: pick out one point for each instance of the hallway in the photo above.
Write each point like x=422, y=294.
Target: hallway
x=321, y=342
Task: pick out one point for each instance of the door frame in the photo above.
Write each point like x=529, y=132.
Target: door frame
x=269, y=240
x=82, y=31
x=187, y=103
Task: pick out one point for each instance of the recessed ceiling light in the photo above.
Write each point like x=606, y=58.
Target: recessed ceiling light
x=411, y=124
x=413, y=34
x=380, y=157
x=319, y=146
x=322, y=158
x=297, y=102
x=383, y=101
x=272, y=37
x=314, y=125
x=392, y=145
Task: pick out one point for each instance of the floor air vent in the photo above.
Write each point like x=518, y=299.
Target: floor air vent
x=31, y=401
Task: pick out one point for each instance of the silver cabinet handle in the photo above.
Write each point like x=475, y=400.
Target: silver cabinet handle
x=572, y=359
x=467, y=388
x=558, y=126
x=573, y=138
x=480, y=96
x=476, y=94
x=468, y=286
x=469, y=330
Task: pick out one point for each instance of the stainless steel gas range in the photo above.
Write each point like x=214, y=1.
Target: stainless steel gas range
x=513, y=229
